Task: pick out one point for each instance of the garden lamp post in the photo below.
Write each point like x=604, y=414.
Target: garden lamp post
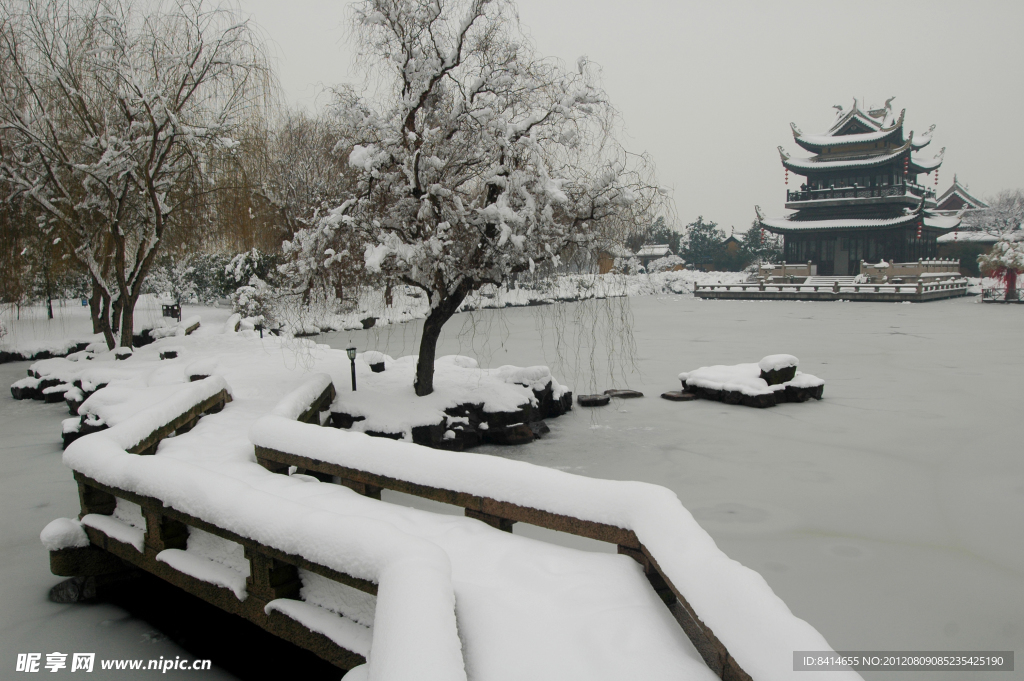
x=351, y=350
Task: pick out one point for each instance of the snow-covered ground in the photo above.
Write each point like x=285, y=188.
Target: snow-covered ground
x=890, y=515
x=887, y=515
x=27, y=329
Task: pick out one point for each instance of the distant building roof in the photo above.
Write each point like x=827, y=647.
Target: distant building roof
x=784, y=225
x=821, y=141
x=979, y=237
x=617, y=251
x=918, y=164
x=956, y=197
x=653, y=251
x=968, y=237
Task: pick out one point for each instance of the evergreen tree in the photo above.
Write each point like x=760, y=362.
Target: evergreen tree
x=702, y=243
x=760, y=246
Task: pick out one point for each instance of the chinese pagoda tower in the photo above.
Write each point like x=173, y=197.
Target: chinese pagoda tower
x=863, y=197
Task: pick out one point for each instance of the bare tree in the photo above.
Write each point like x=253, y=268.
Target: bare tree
x=481, y=161
x=307, y=176
x=1004, y=214
x=108, y=116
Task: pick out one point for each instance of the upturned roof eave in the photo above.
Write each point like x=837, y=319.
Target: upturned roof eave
x=809, y=142
x=935, y=222
x=816, y=165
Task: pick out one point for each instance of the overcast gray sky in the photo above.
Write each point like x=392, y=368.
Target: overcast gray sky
x=709, y=88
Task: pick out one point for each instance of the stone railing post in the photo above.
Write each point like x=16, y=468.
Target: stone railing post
x=95, y=501
x=269, y=578
x=163, y=533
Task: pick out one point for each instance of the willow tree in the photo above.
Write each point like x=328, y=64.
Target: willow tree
x=480, y=160
x=109, y=112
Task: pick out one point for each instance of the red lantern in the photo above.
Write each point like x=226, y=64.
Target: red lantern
x=920, y=223
x=787, y=177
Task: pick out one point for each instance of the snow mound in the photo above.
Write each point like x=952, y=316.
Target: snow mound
x=386, y=402
x=742, y=378
x=63, y=533
x=374, y=357
x=341, y=630
x=746, y=378
x=776, y=362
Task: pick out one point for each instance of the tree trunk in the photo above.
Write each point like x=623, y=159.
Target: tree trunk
x=128, y=321
x=49, y=292
x=99, y=308
x=115, y=315
x=1011, y=284
x=432, y=325
x=95, y=305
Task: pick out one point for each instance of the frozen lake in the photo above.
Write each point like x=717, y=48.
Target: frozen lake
x=890, y=515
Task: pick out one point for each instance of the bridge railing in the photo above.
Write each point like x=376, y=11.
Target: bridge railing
x=919, y=288
x=716, y=601
x=911, y=269
x=175, y=496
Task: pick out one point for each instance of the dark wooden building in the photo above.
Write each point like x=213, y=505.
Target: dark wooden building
x=963, y=245
x=957, y=198
x=864, y=195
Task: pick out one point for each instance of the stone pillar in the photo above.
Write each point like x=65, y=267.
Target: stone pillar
x=95, y=501
x=163, y=533
x=497, y=522
x=270, y=578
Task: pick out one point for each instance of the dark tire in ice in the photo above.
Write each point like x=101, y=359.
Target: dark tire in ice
x=593, y=400
x=623, y=394
x=74, y=590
